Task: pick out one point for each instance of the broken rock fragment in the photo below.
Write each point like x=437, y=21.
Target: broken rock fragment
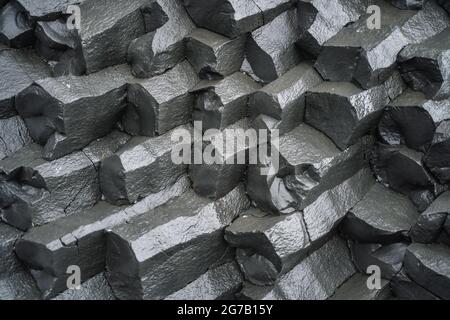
x=438, y=156
x=276, y=243
x=65, y=114
x=163, y=250
x=221, y=103
x=425, y=66
x=344, y=112
x=161, y=49
x=356, y=288
x=320, y=20
x=404, y=288
x=214, y=56
x=96, y=288
x=16, y=30
x=383, y=216
x=284, y=98
x=429, y=266
x=271, y=50
x=408, y=4
x=13, y=136
x=161, y=103
x=141, y=167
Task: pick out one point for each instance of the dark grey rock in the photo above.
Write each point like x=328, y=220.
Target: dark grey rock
x=161, y=103
x=320, y=20
x=19, y=68
x=356, y=288
x=221, y=103
x=18, y=286
x=430, y=223
x=273, y=8
x=281, y=240
x=408, y=4
x=429, y=266
x=344, y=112
x=161, y=49
x=16, y=30
x=214, y=56
x=438, y=156
x=96, y=288
x=271, y=49
x=404, y=288
x=389, y=258
x=9, y=264
x=13, y=136
x=219, y=283
x=315, y=278
x=425, y=66
x=325, y=213
x=402, y=170
x=362, y=52
x=445, y=4
x=162, y=251
x=284, y=98
x=47, y=10
x=141, y=167
x=65, y=114
x=320, y=166
x=228, y=17
x=80, y=240
x=383, y=216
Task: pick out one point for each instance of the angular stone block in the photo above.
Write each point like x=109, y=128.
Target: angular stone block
x=13, y=136
x=18, y=286
x=65, y=114
x=284, y=98
x=9, y=264
x=389, y=258
x=161, y=103
x=225, y=157
x=47, y=10
x=368, y=56
x=221, y=103
x=19, y=69
x=228, y=17
x=315, y=278
x=344, y=112
x=274, y=244
x=319, y=166
x=401, y=169
x=383, y=216
x=271, y=49
x=426, y=66
x=356, y=288
x=80, y=240
x=431, y=223
x=325, y=213
x=16, y=30
x=161, y=49
x=408, y=4
x=438, y=156
x=219, y=283
x=320, y=20
x=404, y=288
x=162, y=251
x=214, y=56
x=141, y=167
x=96, y=288
x=429, y=266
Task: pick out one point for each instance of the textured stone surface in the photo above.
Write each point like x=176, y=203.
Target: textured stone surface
x=214, y=56
x=344, y=112
x=46, y=10
x=408, y=4
x=13, y=136
x=161, y=103
x=141, y=167
x=19, y=69
x=429, y=266
x=425, y=66
x=148, y=257
x=404, y=288
x=221, y=103
x=219, y=283
x=161, y=49
x=282, y=240
x=79, y=240
x=315, y=278
x=356, y=288
x=65, y=114
x=284, y=98
x=320, y=20
x=438, y=156
x=16, y=30
x=383, y=216
x=96, y=288
x=368, y=56
x=271, y=50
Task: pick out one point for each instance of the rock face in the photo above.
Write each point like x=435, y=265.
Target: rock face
x=13, y=136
